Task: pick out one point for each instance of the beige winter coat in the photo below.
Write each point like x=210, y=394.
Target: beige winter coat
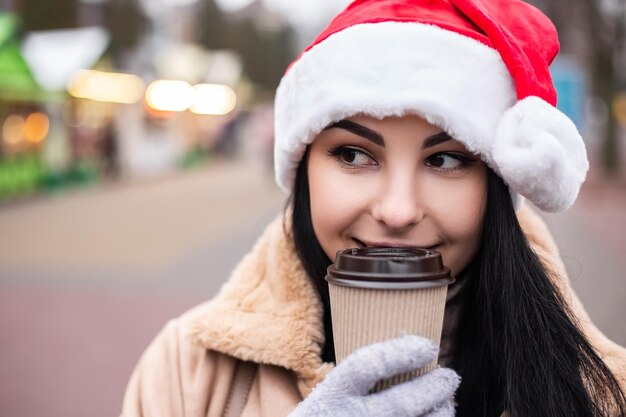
x=268, y=312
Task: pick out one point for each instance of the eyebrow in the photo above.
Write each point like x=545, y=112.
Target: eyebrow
x=359, y=130
x=378, y=139
x=436, y=139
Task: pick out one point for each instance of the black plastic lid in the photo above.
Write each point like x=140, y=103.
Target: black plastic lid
x=389, y=268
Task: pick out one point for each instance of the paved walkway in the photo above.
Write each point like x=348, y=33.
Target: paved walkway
x=88, y=278
x=592, y=240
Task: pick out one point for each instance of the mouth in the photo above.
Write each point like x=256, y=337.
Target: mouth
x=367, y=244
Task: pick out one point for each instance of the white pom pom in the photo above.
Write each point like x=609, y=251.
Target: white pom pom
x=540, y=154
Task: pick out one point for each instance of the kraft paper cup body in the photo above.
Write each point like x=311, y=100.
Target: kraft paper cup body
x=376, y=309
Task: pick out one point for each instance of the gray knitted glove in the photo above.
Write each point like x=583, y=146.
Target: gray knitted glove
x=345, y=391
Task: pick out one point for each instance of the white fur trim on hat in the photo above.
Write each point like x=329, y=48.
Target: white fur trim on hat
x=391, y=69
x=540, y=154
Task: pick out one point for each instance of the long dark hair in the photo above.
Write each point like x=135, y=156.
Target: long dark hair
x=518, y=346
x=309, y=250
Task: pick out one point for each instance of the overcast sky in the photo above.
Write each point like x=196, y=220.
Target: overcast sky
x=304, y=13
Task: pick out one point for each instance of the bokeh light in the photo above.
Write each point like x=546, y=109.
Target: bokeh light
x=13, y=129
x=36, y=127
x=169, y=95
x=213, y=99
x=107, y=86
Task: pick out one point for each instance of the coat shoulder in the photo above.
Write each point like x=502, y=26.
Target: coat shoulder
x=176, y=376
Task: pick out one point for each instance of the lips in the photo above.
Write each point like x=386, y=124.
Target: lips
x=391, y=244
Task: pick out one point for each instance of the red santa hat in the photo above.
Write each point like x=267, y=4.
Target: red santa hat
x=478, y=69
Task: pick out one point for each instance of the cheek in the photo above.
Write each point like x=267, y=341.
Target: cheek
x=462, y=213
x=334, y=206
x=459, y=216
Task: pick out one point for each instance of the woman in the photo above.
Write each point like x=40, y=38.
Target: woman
x=405, y=123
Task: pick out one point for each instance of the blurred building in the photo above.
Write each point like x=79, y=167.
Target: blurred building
x=109, y=104
x=24, y=123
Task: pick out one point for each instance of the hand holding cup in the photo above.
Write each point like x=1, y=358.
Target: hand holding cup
x=346, y=391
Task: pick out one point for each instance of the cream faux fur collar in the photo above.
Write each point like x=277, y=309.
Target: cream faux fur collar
x=269, y=312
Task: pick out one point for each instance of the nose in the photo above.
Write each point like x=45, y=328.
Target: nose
x=399, y=206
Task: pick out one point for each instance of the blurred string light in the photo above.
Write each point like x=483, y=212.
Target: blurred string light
x=107, y=86
x=213, y=99
x=178, y=96
x=13, y=129
x=161, y=95
x=169, y=95
x=36, y=127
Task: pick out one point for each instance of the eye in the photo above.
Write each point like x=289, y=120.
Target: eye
x=447, y=161
x=352, y=157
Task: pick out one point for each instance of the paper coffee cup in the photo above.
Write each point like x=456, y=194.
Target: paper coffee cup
x=380, y=293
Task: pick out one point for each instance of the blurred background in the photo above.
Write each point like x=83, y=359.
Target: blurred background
x=136, y=170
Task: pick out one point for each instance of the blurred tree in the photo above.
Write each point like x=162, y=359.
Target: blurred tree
x=606, y=35
x=265, y=44
x=266, y=53
x=594, y=31
x=46, y=14
x=122, y=18
x=215, y=32
x=126, y=24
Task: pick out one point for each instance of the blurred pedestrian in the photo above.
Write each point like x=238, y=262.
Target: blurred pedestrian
x=406, y=123
x=110, y=152
x=227, y=141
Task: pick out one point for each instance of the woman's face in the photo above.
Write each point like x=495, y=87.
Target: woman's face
x=397, y=182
